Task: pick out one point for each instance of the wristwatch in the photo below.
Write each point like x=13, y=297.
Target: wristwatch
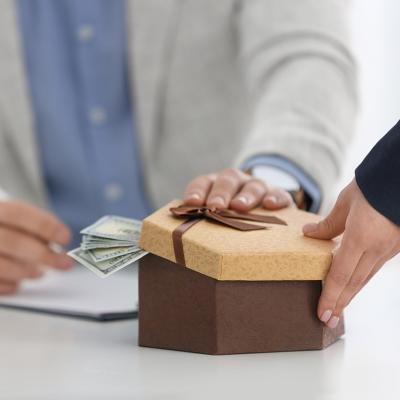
x=277, y=177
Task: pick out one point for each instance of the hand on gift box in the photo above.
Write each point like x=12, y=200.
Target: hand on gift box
x=234, y=189
x=26, y=233
x=369, y=240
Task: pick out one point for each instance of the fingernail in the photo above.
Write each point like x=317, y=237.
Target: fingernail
x=272, y=199
x=326, y=315
x=217, y=201
x=242, y=199
x=57, y=248
x=332, y=323
x=310, y=228
x=193, y=196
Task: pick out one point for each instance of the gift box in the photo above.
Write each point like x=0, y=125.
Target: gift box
x=218, y=282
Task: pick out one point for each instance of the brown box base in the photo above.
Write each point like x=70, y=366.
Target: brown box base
x=180, y=309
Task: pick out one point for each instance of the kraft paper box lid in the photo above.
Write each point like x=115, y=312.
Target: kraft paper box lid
x=280, y=252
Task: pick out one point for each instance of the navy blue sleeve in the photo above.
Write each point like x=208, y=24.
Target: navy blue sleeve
x=378, y=176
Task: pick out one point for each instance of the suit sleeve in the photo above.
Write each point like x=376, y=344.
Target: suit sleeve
x=378, y=176
x=301, y=76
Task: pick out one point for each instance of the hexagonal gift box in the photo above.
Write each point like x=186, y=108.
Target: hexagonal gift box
x=238, y=291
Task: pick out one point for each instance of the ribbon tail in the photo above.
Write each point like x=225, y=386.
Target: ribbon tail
x=269, y=219
x=242, y=226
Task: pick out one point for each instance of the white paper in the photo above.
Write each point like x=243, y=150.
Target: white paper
x=79, y=292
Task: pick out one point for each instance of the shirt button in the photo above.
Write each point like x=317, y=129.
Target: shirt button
x=113, y=192
x=85, y=33
x=97, y=115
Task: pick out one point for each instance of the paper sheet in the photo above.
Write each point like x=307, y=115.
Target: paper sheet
x=79, y=293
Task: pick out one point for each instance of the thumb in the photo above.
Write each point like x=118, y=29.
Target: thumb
x=331, y=226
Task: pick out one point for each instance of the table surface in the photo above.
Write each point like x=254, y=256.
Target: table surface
x=46, y=357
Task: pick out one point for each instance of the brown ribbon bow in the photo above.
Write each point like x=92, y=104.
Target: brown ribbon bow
x=225, y=217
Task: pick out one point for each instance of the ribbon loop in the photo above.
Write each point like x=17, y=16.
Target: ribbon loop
x=225, y=217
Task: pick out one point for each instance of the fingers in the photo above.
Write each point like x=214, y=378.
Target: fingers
x=344, y=264
x=372, y=273
x=225, y=187
x=277, y=198
x=235, y=189
x=249, y=196
x=331, y=226
x=197, y=191
x=358, y=280
x=33, y=220
x=8, y=288
x=253, y=192
x=26, y=236
x=12, y=271
x=28, y=249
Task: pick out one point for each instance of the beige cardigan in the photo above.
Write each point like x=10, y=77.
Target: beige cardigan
x=214, y=83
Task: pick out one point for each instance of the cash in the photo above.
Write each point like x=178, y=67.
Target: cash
x=110, y=244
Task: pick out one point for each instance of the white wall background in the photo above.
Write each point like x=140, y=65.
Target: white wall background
x=376, y=43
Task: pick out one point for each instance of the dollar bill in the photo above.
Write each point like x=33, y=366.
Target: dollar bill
x=110, y=244
x=104, y=245
x=107, y=267
x=108, y=254
x=93, y=239
x=113, y=227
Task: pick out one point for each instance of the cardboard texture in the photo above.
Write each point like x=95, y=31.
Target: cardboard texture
x=180, y=309
x=240, y=292
x=223, y=253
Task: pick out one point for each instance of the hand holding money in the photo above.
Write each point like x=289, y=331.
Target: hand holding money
x=109, y=245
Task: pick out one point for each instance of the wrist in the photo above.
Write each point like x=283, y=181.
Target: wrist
x=281, y=172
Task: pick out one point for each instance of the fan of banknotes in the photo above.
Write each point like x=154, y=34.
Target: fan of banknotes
x=109, y=245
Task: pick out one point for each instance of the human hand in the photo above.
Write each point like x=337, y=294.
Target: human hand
x=25, y=235
x=369, y=240
x=234, y=189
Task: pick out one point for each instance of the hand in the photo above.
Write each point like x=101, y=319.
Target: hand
x=25, y=235
x=234, y=189
x=369, y=240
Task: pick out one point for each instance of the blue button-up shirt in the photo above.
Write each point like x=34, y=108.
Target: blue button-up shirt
x=76, y=61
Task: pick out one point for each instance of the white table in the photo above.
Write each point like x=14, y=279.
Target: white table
x=53, y=358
